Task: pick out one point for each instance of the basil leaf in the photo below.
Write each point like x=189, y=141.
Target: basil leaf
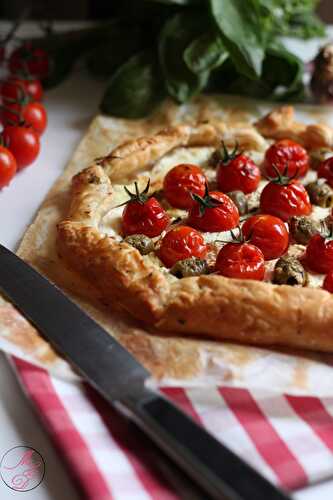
x=134, y=89
x=291, y=18
x=282, y=77
x=175, y=36
x=284, y=73
x=205, y=53
x=240, y=29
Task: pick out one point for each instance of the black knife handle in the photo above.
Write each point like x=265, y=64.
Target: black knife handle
x=216, y=469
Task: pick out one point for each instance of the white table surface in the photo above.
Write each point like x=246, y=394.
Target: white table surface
x=70, y=108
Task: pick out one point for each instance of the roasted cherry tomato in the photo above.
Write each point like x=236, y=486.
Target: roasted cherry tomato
x=32, y=113
x=143, y=214
x=241, y=260
x=268, y=233
x=180, y=182
x=285, y=199
x=328, y=282
x=23, y=142
x=29, y=59
x=319, y=254
x=238, y=173
x=286, y=153
x=17, y=89
x=7, y=166
x=181, y=243
x=214, y=212
x=325, y=170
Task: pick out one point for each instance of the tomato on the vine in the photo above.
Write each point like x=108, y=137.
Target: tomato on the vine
x=8, y=166
x=29, y=59
x=180, y=182
x=286, y=153
x=325, y=170
x=181, y=243
x=143, y=214
x=268, y=233
x=328, y=282
x=34, y=89
x=240, y=260
x=13, y=89
x=284, y=197
x=237, y=172
x=32, y=113
x=319, y=254
x=16, y=89
x=213, y=212
x=23, y=142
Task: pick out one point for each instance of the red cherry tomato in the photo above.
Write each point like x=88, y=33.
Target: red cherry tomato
x=328, y=282
x=241, y=260
x=33, y=114
x=268, y=233
x=285, y=200
x=18, y=88
x=13, y=89
x=319, y=254
x=325, y=170
x=7, y=166
x=239, y=173
x=34, y=89
x=208, y=215
x=182, y=180
x=283, y=153
x=23, y=142
x=181, y=243
x=147, y=218
x=27, y=58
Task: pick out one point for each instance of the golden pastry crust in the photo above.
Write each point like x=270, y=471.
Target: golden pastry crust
x=281, y=124
x=128, y=159
x=211, y=306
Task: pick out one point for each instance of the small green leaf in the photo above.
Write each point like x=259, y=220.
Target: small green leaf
x=205, y=53
x=134, y=89
x=240, y=29
x=176, y=34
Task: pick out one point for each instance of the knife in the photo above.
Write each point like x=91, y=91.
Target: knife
x=120, y=379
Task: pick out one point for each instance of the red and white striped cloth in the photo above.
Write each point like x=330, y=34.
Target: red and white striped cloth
x=288, y=439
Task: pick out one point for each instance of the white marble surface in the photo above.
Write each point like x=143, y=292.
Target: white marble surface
x=70, y=107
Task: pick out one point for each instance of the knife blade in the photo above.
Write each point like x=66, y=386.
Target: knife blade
x=120, y=379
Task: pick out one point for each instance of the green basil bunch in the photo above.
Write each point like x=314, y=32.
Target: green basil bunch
x=156, y=48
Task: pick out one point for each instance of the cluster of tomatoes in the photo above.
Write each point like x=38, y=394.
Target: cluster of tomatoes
x=23, y=117
x=264, y=236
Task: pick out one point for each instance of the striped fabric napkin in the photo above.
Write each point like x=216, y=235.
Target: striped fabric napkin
x=288, y=439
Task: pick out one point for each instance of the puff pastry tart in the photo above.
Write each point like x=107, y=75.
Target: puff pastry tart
x=213, y=231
